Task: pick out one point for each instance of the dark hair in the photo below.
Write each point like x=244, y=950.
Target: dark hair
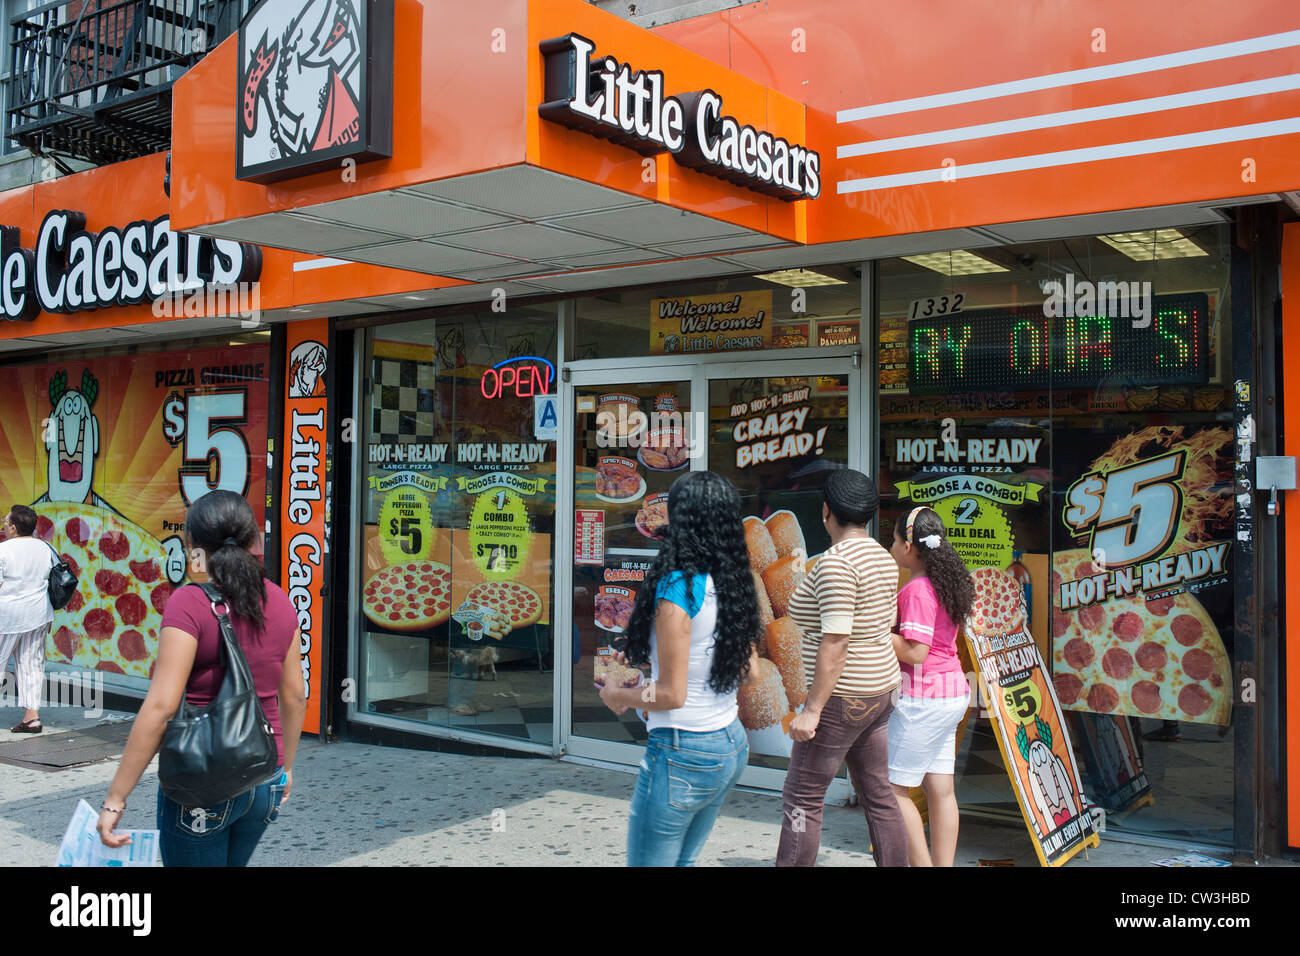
x=947, y=572
x=851, y=496
x=24, y=519
x=222, y=524
x=704, y=536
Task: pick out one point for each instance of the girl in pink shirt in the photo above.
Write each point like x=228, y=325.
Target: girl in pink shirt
x=934, y=694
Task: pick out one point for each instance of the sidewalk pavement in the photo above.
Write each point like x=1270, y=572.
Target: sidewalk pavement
x=361, y=805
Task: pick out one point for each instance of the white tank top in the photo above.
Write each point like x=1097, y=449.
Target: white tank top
x=704, y=709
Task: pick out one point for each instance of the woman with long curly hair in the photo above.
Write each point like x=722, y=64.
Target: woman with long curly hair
x=696, y=623
x=935, y=694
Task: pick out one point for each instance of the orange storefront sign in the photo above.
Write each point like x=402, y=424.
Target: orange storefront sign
x=478, y=110
x=112, y=197
x=302, y=497
x=922, y=123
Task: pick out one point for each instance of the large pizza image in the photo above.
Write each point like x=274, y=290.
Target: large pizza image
x=408, y=597
x=999, y=606
x=111, y=622
x=519, y=604
x=1160, y=658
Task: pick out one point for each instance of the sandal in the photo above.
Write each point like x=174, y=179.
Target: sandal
x=28, y=727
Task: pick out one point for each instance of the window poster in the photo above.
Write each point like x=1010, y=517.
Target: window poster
x=110, y=452
x=633, y=442
x=989, y=482
x=461, y=494
x=776, y=439
x=1142, y=573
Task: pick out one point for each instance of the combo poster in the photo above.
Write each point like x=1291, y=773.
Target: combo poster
x=110, y=453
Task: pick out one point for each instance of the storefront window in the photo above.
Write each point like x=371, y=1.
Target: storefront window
x=1066, y=407
x=459, y=512
x=793, y=308
x=110, y=450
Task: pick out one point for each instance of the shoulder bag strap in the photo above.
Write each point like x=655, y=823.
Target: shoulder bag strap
x=235, y=659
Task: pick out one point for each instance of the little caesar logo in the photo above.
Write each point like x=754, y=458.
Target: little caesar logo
x=315, y=86
x=606, y=99
x=72, y=269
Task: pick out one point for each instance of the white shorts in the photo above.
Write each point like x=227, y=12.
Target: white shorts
x=923, y=737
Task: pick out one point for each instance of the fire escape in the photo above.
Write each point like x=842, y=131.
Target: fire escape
x=91, y=80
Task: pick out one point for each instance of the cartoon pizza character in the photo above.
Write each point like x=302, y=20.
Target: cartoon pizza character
x=1049, y=780
x=124, y=574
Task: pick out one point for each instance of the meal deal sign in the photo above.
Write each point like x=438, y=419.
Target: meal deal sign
x=110, y=453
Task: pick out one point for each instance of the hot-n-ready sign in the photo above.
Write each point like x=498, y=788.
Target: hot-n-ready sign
x=72, y=270
x=606, y=99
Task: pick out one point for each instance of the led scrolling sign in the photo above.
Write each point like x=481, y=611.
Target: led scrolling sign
x=606, y=99
x=998, y=348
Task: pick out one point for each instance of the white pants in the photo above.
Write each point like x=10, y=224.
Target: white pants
x=28, y=650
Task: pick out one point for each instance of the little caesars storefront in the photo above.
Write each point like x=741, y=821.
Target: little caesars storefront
x=652, y=264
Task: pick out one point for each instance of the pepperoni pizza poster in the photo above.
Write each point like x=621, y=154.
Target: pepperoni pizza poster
x=110, y=453
x=1142, y=590
x=1031, y=731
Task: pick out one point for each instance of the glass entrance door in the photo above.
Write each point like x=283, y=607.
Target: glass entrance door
x=775, y=429
x=632, y=439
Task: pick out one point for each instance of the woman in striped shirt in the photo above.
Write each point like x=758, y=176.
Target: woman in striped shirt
x=844, y=609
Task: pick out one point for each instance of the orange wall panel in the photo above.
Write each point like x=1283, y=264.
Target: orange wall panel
x=1290, y=344
x=842, y=54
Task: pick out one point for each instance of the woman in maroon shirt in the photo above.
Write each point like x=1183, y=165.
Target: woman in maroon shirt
x=221, y=527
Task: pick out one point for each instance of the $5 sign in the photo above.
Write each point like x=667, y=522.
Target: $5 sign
x=1131, y=513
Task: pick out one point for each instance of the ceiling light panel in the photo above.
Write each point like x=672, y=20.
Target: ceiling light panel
x=959, y=262
x=1152, y=244
x=800, y=278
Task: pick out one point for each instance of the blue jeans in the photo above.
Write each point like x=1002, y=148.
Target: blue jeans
x=224, y=835
x=684, y=778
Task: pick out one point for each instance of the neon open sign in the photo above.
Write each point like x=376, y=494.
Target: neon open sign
x=997, y=349
x=524, y=375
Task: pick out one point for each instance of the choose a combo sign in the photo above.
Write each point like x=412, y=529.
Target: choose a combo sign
x=608, y=100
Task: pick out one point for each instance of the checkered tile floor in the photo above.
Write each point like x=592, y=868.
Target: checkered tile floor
x=405, y=400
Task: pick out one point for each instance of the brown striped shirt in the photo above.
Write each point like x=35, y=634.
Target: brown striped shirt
x=851, y=590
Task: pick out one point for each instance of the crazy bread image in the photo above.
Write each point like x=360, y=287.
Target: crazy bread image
x=778, y=559
x=784, y=648
x=763, y=702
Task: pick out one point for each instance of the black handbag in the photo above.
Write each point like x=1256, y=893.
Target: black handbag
x=63, y=583
x=212, y=754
